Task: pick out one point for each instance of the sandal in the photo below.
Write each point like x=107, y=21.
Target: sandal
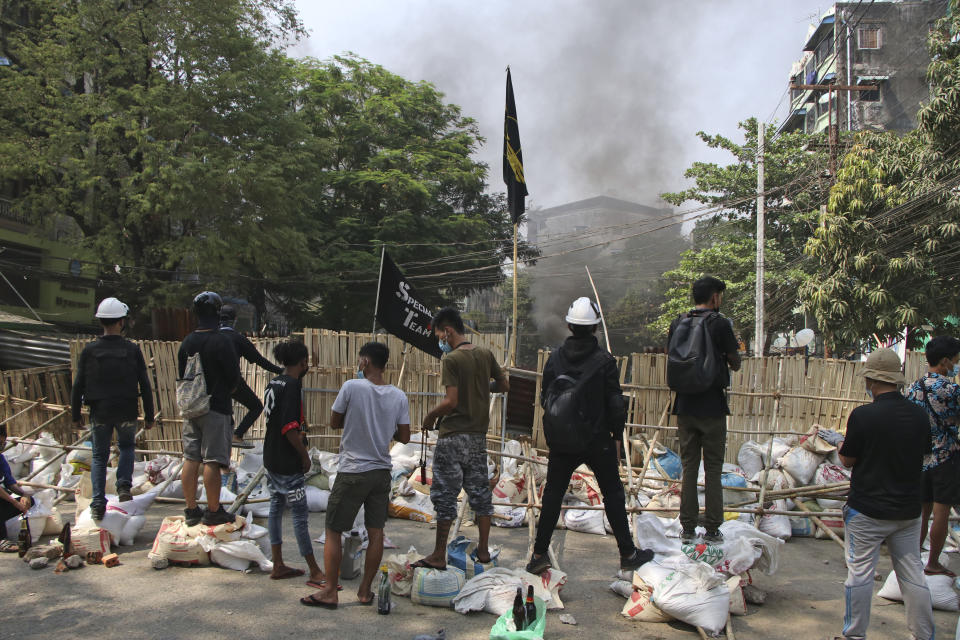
x=8, y=547
x=322, y=585
x=311, y=601
x=423, y=564
x=940, y=572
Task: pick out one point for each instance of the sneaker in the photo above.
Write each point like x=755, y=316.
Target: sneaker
x=220, y=516
x=689, y=536
x=713, y=537
x=536, y=566
x=635, y=560
x=193, y=516
x=97, y=511
x=124, y=496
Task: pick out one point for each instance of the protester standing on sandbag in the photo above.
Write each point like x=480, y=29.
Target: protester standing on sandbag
x=885, y=445
x=469, y=374
x=242, y=393
x=11, y=506
x=286, y=460
x=206, y=437
x=371, y=413
x=701, y=350
x=591, y=433
x=111, y=374
x=939, y=396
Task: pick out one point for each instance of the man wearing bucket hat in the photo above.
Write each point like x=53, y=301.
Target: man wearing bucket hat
x=111, y=374
x=884, y=445
x=582, y=369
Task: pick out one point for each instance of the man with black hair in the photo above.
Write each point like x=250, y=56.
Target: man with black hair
x=702, y=417
x=939, y=395
x=206, y=438
x=371, y=413
x=111, y=374
x=14, y=499
x=243, y=393
x=581, y=355
x=468, y=374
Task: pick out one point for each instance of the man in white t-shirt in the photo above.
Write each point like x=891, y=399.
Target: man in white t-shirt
x=371, y=413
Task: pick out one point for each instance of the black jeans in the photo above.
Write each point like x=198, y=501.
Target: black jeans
x=709, y=437
x=601, y=457
x=245, y=396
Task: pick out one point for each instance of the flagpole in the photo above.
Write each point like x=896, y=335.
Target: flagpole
x=376, y=303
x=513, y=336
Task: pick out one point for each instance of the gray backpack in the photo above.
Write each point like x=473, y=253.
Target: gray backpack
x=193, y=400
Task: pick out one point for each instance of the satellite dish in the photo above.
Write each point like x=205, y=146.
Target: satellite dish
x=780, y=342
x=804, y=337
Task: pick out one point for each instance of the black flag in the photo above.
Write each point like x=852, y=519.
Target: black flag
x=401, y=313
x=513, y=158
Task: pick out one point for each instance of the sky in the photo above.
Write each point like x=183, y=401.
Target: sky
x=610, y=93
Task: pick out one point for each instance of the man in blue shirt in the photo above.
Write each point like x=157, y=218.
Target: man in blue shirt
x=11, y=506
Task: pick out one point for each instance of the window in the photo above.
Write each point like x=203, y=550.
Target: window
x=868, y=38
x=870, y=96
x=824, y=50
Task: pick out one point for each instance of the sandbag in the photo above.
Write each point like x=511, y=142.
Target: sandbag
x=942, y=592
x=38, y=513
x=83, y=541
x=178, y=544
x=53, y=524
x=516, y=516
x=622, y=588
x=584, y=487
x=435, y=587
x=695, y=594
x=639, y=608
x=706, y=553
x=133, y=525
x=669, y=462
x=400, y=573
x=462, y=554
x=801, y=527
x=511, y=466
x=508, y=489
x=777, y=479
x=584, y=520
x=650, y=533
x=505, y=628
x=800, y=463
x=238, y=555
x=493, y=590
x=777, y=526
x=317, y=499
x=780, y=448
x=750, y=458
x=828, y=473
x=769, y=546
x=739, y=556
x=418, y=508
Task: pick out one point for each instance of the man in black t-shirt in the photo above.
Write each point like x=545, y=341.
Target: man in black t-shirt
x=885, y=444
x=243, y=393
x=206, y=438
x=702, y=419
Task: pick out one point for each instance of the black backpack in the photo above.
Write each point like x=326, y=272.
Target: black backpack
x=568, y=424
x=693, y=364
x=111, y=371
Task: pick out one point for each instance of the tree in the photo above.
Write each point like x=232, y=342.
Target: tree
x=725, y=236
x=886, y=246
x=394, y=168
x=163, y=130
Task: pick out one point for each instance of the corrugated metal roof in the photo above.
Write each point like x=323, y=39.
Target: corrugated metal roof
x=24, y=350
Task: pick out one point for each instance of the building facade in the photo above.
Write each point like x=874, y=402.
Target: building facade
x=881, y=46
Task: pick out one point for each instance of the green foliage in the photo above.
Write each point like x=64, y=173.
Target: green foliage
x=886, y=247
x=725, y=242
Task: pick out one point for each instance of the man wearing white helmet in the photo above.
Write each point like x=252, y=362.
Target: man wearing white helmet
x=588, y=376
x=111, y=373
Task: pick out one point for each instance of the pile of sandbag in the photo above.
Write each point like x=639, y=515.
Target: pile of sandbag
x=234, y=545
x=942, y=591
x=699, y=584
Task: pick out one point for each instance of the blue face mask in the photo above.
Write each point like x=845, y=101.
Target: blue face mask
x=445, y=346
x=953, y=373
x=360, y=375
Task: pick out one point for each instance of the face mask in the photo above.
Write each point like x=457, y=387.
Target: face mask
x=360, y=375
x=445, y=346
x=870, y=391
x=953, y=373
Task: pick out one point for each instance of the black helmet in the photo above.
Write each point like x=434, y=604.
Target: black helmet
x=228, y=314
x=207, y=304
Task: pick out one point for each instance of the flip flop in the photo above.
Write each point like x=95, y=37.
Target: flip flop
x=291, y=573
x=941, y=572
x=8, y=547
x=310, y=601
x=322, y=584
x=423, y=564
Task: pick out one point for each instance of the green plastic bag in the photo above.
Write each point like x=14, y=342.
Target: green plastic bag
x=500, y=631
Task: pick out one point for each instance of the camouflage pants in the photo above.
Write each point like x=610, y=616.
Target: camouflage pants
x=460, y=461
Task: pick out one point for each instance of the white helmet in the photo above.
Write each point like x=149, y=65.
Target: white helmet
x=112, y=308
x=583, y=312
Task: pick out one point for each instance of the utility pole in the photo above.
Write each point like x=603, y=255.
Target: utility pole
x=833, y=133
x=758, y=319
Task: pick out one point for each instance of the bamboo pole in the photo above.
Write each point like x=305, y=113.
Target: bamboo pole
x=819, y=523
x=22, y=411
x=37, y=430
x=58, y=456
